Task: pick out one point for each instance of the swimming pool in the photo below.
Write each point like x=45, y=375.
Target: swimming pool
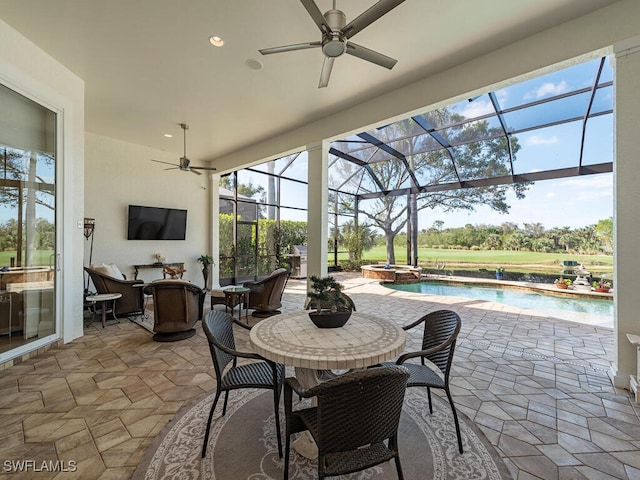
x=528, y=300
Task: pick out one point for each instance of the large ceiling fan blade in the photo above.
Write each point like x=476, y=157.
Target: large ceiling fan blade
x=203, y=168
x=326, y=72
x=370, y=55
x=316, y=15
x=160, y=161
x=369, y=16
x=172, y=168
x=290, y=48
x=193, y=171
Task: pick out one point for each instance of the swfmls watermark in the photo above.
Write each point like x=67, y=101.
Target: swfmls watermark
x=18, y=466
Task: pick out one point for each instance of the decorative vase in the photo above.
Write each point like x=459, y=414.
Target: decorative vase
x=205, y=273
x=499, y=275
x=602, y=290
x=562, y=286
x=329, y=319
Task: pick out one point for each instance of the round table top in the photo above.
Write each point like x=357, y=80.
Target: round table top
x=292, y=339
x=103, y=297
x=236, y=289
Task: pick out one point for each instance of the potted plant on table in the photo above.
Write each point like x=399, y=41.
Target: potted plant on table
x=602, y=286
x=563, y=283
x=206, y=261
x=331, y=307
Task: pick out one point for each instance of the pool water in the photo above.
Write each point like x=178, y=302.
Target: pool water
x=528, y=300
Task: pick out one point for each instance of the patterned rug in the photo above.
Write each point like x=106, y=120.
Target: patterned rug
x=242, y=445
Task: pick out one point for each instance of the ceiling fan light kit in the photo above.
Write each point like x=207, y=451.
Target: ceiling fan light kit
x=336, y=33
x=184, y=163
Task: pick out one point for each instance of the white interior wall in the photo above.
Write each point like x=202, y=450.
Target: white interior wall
x=28, y=70
x=119, y=174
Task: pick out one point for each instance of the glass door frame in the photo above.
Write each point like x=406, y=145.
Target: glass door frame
x=58, y=333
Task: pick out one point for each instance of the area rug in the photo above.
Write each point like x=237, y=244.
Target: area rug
x=243, y=445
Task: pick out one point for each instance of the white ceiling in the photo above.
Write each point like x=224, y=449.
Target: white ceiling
x=148, y=65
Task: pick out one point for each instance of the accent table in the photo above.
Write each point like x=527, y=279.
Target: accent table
x=137, y=268
x=237, y=296
x=104, y=298
x=292, y=339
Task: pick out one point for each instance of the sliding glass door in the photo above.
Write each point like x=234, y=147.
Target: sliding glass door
x=27, y=220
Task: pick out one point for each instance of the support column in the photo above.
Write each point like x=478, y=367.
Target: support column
x=318, y=207
x=626, y=201
x=214, y=221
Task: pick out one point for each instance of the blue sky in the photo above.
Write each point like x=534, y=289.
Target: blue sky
x=568, y=202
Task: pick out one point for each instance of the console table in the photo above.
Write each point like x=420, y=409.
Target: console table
x=136, y=268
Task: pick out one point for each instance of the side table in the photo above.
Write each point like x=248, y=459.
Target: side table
x=237, y=296
x=104, y=298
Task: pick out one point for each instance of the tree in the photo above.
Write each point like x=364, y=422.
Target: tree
x=604, y=232
x=247, y=189
x=438, y=225
x=356, y=240
x=487, y=157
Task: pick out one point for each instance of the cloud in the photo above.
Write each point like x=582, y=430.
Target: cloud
x=589, y=182
x=539, y=140
x=547, y=89
x=477, y=108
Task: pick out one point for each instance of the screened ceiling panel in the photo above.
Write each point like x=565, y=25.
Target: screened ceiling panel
x=557, y=125
x=436, y=169
x=298, y=169
x=540, y=148
x=603, y=100
x=472, y=109
x=598, y=144
x=473, y=131
x=547, y=113
x=402, y=129
x=341, y=175
x=569, y=79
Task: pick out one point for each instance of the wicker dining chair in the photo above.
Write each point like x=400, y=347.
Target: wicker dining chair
x=441, y=330
x=356, y=413
x=263, y=373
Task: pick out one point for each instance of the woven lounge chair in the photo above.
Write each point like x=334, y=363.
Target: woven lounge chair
x=132, y=300
x=177, y=306
x=441, y=330
x=265, y=297
x=355, y=424
x=263, y=373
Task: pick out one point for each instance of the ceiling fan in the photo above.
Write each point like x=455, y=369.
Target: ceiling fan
x=335, y=35
x=185, y=163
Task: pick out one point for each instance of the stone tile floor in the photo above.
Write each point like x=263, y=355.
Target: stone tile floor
x=537, y=387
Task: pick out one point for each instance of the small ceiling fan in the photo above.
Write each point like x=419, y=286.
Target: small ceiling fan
x=335, y=35
x=185, y=163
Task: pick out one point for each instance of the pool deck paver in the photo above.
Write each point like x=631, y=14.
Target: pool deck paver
x=537, y=386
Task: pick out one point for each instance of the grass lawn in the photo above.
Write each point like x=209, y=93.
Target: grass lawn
x=42, y=257
x=521, y=261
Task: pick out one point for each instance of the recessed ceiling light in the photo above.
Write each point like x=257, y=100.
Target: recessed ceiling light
x=254, y=64
x=168, y=135
x=216, y=40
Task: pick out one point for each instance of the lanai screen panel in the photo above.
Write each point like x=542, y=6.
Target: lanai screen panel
x=498, y=137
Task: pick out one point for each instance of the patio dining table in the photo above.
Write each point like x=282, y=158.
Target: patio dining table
x=292, y=339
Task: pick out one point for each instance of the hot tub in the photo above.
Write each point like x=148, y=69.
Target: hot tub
x=392, y=273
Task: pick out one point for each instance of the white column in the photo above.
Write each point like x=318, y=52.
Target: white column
x=626, y=203
x=317, y=213
x=214, y=189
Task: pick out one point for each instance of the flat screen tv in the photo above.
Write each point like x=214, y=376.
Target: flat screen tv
x=152, y=223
